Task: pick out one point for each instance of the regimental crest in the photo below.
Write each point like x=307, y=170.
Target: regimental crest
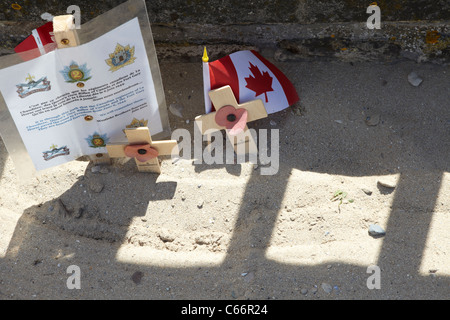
x=121, y=57
x=76, y=73
x=97, y=140
x=26, y=89
x=137, y=123
x=55, y=152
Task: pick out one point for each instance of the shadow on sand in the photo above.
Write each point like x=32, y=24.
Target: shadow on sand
x=411, y=139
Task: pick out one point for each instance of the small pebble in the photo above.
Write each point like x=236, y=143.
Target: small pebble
x=96, y=186
x=304, y=291
x=373, y=120
x=95, y=169
x=176, y=109
x=387, y=183
x=327, y=287
x=414, y=79
x=78, y=211
x=367, y=191
x=166, y=237
x=249, y=277
x=137, y=277
x=376, y=231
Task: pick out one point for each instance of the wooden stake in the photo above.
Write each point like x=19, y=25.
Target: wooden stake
x=141, y=136
x=64, y=31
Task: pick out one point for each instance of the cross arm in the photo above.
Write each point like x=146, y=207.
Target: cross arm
x=166, y=148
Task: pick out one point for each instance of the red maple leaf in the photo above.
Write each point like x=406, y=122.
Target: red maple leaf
x=259, y=82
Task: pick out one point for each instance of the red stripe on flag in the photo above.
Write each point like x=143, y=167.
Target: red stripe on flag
x=222, y=73
x=288, y=88
x=44, y=33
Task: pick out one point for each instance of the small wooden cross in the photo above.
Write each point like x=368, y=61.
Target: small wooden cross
x=142, y=147
x=224, y=97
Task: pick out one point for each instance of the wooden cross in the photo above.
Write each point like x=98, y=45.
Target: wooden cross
x=141, y=146
x=224, y=97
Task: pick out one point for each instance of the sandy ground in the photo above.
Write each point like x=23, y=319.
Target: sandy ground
x=228, y=232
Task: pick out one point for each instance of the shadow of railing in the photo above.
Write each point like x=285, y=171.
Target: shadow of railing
x=413, y=145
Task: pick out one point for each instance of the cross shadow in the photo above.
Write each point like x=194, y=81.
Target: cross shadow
x=232, y=168
x=406, y=142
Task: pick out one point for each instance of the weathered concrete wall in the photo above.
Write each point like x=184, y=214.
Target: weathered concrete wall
x=289, y=29
x=238, y=11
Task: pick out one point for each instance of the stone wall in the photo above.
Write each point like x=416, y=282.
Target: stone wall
x=286, y=30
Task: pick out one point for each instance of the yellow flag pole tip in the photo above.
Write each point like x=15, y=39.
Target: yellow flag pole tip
x=205, y=57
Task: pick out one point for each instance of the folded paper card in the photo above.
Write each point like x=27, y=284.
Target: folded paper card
x=71, y=102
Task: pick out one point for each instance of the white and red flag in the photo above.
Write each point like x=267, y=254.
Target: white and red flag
x=251, y=77
x=41, y=38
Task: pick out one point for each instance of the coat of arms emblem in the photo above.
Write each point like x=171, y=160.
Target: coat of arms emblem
x=26, y=89
x=97, y=140
x=121, y=57
x=55, y=152
x=76, y=73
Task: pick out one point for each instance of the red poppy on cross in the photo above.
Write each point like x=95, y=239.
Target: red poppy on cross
x=232, y=117
x=143, y=149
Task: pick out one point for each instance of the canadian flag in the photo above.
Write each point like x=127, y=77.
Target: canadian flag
x=251, y=77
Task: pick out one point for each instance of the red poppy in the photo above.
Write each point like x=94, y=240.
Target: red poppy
x=232, y=119
x=142, y=152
